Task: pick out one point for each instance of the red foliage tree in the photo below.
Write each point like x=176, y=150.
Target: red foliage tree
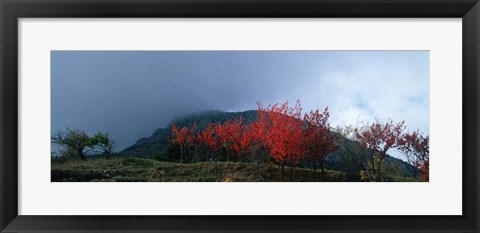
x=415, y=148
x=254, y=141
x=378, y=138
x=424, y=171
x=318, y=139
x=209, y=138
x=231, y=135
x=184, y=137
x=283, y=133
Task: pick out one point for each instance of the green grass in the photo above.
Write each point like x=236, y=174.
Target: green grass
x=147, y=170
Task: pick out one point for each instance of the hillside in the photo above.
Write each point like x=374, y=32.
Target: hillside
x=339, y=160
x=147, y=146
x=146, y=170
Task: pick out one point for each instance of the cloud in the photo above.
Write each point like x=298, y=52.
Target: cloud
x=376, y=85
x=131, y=93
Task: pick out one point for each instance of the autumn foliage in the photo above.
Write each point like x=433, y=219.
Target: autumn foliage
x=415, y=147
x=184, y=137
x=283, y=132
x=378, y=138
x=290, y=138
x=318, y=140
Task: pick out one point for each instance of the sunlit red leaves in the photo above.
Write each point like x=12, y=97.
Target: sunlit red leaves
x=424, y=171
x=318, y=138
x=380, y=137
x=283, y=133
x=415, y=147
x=282, y=130
x=231, y=135
x=184, y=137
x=209, y=137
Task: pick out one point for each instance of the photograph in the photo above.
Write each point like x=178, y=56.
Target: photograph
x=240, y=115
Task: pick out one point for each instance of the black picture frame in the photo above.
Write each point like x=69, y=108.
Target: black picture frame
x=12, y=10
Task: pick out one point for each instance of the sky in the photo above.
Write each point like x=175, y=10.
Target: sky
x=129, y=94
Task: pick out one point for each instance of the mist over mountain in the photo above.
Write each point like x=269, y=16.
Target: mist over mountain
x=145, y=147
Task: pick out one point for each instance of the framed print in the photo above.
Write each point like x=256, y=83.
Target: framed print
x=252, y=116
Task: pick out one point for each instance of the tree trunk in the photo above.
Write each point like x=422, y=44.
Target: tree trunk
x=282, y=166
x=373, y=167
x=314, y=170
x=323, y=171
x=379, y=176
x=291, y=172
x=226, y=150
x=181, y=155
x=80, y=154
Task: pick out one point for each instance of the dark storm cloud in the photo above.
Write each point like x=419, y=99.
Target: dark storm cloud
x=131, y=93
